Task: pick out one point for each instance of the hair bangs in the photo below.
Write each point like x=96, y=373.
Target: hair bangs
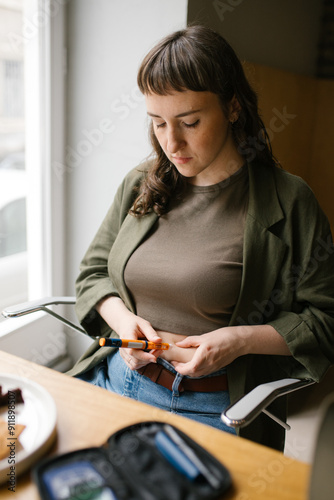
x=174, y=68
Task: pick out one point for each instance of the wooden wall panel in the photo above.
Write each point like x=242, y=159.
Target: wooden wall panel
x=322, y=163
x=285, y=94
x=303, y=140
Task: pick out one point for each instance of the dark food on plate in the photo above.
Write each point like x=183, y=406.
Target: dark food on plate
x=15, y=397
x=10, y=430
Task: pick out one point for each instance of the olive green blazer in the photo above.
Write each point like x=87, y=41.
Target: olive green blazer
x=287, y=281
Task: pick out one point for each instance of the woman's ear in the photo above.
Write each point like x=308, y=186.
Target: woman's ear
x=234, y=109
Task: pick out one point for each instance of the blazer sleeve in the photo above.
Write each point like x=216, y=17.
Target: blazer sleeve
x=93, y=282
x=308, y=328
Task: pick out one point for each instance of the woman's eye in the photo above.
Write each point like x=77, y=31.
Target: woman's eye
x=160, y=125
x=192, y=125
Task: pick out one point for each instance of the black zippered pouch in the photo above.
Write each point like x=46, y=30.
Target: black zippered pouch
x=145, y=461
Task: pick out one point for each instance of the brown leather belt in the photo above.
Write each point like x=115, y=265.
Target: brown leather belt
x=160, y=375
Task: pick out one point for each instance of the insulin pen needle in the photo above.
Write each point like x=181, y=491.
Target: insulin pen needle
x=132, y=344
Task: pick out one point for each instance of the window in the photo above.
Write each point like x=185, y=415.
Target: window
x=13, y=181
x=32, y=83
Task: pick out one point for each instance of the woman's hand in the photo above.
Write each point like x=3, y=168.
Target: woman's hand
x=214, y=350
x=138, y=328
x=219, y=348
x=129, y=326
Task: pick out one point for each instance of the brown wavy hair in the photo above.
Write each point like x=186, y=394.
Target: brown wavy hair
x=198, y=59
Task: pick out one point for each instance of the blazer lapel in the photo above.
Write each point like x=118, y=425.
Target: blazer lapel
x=131, y=234
x=263, y=250
x=263, y=256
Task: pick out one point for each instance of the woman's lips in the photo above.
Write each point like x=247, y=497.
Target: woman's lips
x=181, y=159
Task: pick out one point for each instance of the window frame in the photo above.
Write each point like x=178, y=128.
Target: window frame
x=44, y=39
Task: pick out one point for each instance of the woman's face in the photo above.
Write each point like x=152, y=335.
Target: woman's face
x=195, y=134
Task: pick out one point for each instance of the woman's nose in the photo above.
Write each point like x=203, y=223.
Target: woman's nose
x=175, y=141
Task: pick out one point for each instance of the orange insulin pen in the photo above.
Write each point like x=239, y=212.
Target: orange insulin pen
x=132, y=344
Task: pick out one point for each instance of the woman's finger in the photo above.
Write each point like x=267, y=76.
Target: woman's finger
x=148, y=331
x=192, y=341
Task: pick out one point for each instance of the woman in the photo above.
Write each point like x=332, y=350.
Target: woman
x=207, y=246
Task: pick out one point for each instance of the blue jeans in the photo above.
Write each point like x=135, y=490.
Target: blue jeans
x=204, y=407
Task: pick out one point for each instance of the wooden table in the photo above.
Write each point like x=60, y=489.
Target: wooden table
x=88, y=415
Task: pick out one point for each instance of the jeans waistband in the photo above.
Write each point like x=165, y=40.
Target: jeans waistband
x=170, y=367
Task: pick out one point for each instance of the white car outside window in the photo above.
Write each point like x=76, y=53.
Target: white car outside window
x=13, y=247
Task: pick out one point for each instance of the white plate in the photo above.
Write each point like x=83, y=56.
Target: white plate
x=38, y=413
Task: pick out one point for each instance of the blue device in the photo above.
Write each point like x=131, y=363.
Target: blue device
x=175, y=456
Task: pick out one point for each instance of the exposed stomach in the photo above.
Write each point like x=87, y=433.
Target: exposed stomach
x=174, y=353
